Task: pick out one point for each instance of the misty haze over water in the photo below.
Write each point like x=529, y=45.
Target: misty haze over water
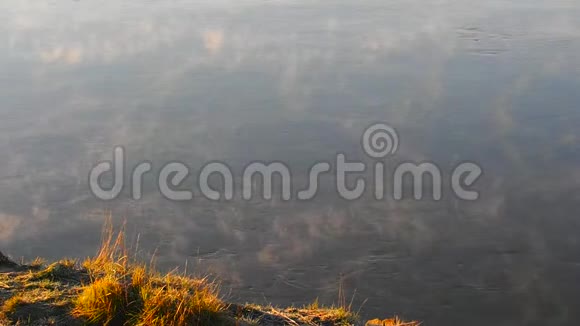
x=493, y=82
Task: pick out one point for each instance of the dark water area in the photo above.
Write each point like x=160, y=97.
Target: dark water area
x=491, y=82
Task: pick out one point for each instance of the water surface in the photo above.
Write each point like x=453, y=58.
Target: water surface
x=494, y=82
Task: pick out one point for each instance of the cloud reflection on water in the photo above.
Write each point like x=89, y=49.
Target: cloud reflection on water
x=295, y=81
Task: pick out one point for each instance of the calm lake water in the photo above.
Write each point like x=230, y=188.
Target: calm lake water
x=494, y=82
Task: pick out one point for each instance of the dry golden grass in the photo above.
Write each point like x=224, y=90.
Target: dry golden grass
x=178, y=301
x=126, y=293
x=102, y=301
x=391, y=322
x=32, y=296
x=28, y=298
x=112, y=289
x=313, y=314
x=62, y=270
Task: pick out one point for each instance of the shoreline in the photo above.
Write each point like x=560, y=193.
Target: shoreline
x=109, y=289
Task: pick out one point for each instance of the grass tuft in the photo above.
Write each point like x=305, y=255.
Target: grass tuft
x=102, y=302
x=391, y=322
x=111, y=289
x=127, y=293
x=61, y=271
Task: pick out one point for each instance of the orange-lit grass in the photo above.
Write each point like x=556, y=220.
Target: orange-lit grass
x=126, y=293
x=391, y=322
